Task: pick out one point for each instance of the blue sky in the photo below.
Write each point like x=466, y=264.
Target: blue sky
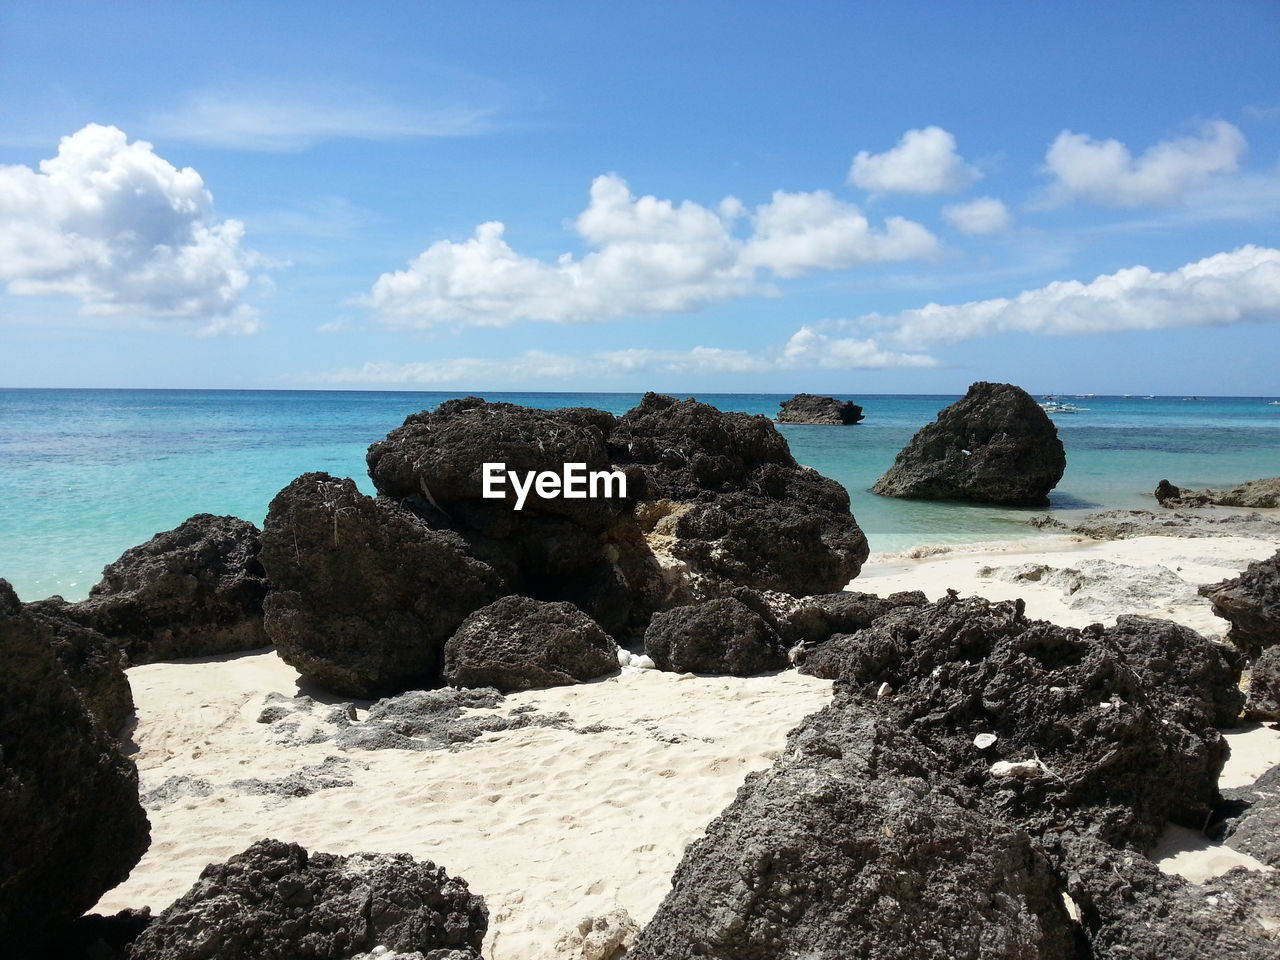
x=694, y=197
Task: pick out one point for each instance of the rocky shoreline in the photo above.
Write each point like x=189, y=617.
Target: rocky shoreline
x=485, y=692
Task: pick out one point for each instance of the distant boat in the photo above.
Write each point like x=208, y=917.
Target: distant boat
x=1190, y=398
x=1061, y=408
x=1085, y=396
x=1273, y=403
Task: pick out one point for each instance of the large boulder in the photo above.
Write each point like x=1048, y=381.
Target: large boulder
x=996, y=445
x=93, y=663
x=815, y=620
x=849, y=846
x=1057, y=728
x=275, y=901
x=1251, y=602
x=1254, y=827
x=518, y=643
x=70, y=819
x=723, y=636
x=808, y=408
x=192, y=591
x=365, y=594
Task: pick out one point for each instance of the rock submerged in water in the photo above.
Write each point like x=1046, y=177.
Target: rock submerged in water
x=1251, y=602
x=809, y=408
x=71, y=823
x=192, y=591
x=996, y=445
x=275, y=901
x=518, y=643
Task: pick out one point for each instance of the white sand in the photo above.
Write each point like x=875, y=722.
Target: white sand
x=551, y=825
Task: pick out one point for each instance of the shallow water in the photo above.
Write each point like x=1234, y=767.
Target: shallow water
x=85, y=474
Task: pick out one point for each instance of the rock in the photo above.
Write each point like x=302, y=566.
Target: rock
x=1127, y=524
x=95, y=937
x=722, y=636
x=1130, y=910
x=1263, y=701
x=848, y=846
x=93, y=663
x=996, y=445
x=193, y=591
x=275, y=901
x=1254, y=827
x=1124, y=736
x=993, y=446
x=517, y=643
x=1254, y=494
x=1251, y=602
x=69, y=811
x=365, y=593
x=1103, y=587
x=603, y=937
x=808, y=408
x=816, y=619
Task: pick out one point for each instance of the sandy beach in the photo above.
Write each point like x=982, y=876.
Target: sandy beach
x=553, y=824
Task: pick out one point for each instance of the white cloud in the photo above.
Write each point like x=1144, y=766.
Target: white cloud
x=279, y=120
x=978, y=217
x=806, y=349
x=797, y=232
x=123, y=231
x=924, y=161
x=1105, y=172
x=650, y=256
x=1227, y=288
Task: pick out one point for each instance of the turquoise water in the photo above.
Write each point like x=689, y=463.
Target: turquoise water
x=85, y=474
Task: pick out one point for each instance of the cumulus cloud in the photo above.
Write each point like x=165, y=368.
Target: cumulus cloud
x=923, y=161
x=1105, y=172
x=806, y=349
x=1228, y=288
x=123, y=231
x=978, y=217
x=649, y=256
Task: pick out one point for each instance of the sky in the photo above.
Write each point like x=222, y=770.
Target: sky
x=747, y=196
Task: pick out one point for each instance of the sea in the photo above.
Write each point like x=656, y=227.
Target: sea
x=85, y=474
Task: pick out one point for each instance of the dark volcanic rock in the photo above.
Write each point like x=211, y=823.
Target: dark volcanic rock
x=719, y=636
x=1171, y=497
x=365, y=593
x=849, y=846
x=275, y=901
x=808, y=408
x=816, y=619
x=521, y=644
x=93, y=663
x=1263, y=701
x=1130, y=910
x=1251, y=602
x=70, y=820
x=1085, y=738
x=192, y=591
x=1254, y=826
x=996, y=445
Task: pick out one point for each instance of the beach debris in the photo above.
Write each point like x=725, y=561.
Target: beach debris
x=1251, y=602
x=71, y=823
x=599, y=937
x=249, y=907
x=722, y=636
x=518, y=643
x=995, y=445
x=812, y=409
x=193, y=591
x=984, y=740
x=1017, y=768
